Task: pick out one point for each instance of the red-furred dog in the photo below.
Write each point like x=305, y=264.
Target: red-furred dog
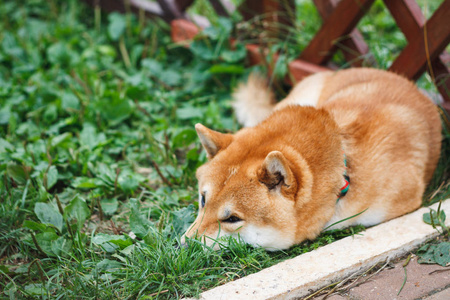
x=284, y=178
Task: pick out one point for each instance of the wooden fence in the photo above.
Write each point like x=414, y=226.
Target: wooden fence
x=425, y=51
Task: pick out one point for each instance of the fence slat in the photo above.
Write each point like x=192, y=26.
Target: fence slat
x=408, y=16
x=441, y=74
x=183, y=4
x=352, y=47
x=340, y=23
x=170, y=9
x=412, y=61
x=222, y=7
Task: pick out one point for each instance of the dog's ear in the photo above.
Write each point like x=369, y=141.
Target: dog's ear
x=212, y=141
x=276, y=173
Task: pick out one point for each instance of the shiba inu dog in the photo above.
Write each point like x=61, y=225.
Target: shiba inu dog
x=341, y=143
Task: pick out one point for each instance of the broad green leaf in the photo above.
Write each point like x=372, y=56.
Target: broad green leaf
x=5, y=114
x=87, y=183
x=61, y=138
x=184, y=138
x=61, y=246
x=116, y=26
x=77, y=210
x=48, y=214
x=107, y=50
x=128, y=182
x=139, y=224
x=151, y=238
x=35, y=289
x=426, y=254
x=88, y=136
x=233, y=56
x=442, y=253
x=226, y=25
x=115, y=109
x=128, y=250
x=52, y=177
x=104, y=240
x=281, y=66
x=203, y=50
x=59, y=53
x=221, y=30
x=4, y=269
x=34, y=225
x=4, y=144
x=50, y=113
x=122, y=243
x=193, y=155
x=39, y=150
x=433, y=218
x=171, y=77
x=45, y=241
x=136, y=79
x=189, y=112
x=17, y=173
x=106, y=174
x=109, y=206
x=212, y=32
x=69, y=101
x=153, y=66
x=137, y=92
x=109, y=265
x=182, y=219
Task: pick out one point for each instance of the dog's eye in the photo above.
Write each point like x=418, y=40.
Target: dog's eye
x=202, y=200
x=232, y=219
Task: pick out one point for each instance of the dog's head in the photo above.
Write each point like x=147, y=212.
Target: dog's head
x=245, y=192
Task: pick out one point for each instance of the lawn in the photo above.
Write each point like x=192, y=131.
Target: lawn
x=98, y=151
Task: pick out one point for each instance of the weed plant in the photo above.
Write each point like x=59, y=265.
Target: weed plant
x=98, y=153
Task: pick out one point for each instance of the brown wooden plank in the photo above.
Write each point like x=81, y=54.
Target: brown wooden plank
x=222, y=7
x=340, y=23
x=412, y=61
x=183, y=4
x=353, y=47
x=408, y=16
x=325, y=7
x=441, y=74
x=410, y=20
x=170, y=9
x=273, y=11
x=446, y=106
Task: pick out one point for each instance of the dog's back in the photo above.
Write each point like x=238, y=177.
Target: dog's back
x=363, y=99
x=391, y=136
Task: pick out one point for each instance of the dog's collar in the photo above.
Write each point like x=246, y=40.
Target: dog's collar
x=346, y=181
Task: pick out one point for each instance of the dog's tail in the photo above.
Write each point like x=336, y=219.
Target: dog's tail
x=253, y=101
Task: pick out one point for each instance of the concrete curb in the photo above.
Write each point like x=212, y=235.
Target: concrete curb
x=304, y=274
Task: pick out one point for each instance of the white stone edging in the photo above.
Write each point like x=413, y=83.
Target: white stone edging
x=306, y=273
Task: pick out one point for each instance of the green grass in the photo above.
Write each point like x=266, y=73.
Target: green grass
x=97, y=141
